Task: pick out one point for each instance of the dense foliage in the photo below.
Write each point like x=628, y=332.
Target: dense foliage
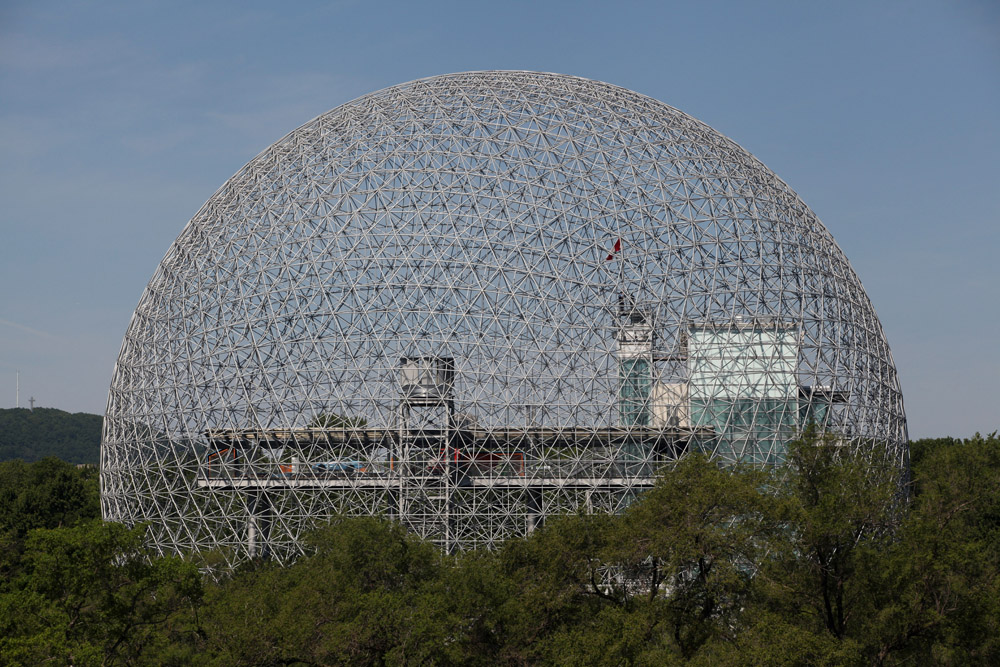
x=31, y=435
x=822, y=564
x=47, y=494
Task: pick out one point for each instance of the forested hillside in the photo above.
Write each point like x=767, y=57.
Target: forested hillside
x=34, y=434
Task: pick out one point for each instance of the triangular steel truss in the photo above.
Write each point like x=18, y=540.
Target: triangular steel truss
x=613, y=282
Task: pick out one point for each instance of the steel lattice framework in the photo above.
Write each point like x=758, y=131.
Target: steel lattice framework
x=472, y=301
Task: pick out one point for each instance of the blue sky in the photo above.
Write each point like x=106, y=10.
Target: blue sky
x=119, y=119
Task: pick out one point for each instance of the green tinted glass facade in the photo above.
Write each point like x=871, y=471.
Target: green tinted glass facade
x=743, y=386
x=634, y=381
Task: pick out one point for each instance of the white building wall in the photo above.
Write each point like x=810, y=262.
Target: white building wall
x=671, y=406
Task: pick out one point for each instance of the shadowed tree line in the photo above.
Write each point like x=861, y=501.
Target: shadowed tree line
x=820, y=564
x=31, y=435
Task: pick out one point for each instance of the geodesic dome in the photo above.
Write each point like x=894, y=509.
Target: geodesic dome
x=471, y=301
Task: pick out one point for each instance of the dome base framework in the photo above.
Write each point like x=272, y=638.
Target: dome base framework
x=459, y=488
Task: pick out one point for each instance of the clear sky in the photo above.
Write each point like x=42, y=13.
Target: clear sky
x=119, y=119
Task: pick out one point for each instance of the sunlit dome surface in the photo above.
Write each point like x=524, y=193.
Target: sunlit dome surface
x=472, y=301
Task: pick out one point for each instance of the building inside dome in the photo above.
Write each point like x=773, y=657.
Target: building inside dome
x=471, y=302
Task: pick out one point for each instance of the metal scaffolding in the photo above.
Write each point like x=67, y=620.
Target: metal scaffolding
x=473, y=301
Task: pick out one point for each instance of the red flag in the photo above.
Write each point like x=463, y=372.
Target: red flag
x=618, y=248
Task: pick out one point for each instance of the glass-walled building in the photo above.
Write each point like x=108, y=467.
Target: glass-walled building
x=743, y=385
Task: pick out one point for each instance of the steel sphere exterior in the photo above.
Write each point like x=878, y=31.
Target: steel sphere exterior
x=473, y=301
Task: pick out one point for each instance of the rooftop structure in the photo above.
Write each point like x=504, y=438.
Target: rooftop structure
x=470, y=302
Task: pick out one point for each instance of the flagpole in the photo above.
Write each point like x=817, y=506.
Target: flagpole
x=621, y=270
x=616, y=255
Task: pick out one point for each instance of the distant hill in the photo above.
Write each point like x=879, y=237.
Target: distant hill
x=34, y=434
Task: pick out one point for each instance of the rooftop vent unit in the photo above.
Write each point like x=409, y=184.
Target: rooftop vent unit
x=426, y=380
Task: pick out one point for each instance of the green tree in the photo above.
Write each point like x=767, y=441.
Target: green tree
x=45, y=494
x=861, y=579
x=560, y=574
x=935, y=589
x=350, y=600
x=698, y=537
x=92, y=594
x=334, y=420
x=843, y=501
x=654, y=585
